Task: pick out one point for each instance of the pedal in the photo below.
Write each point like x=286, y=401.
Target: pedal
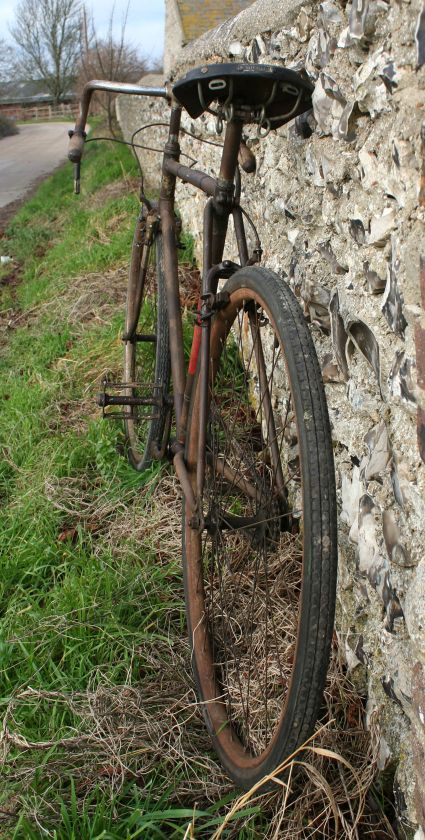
x=149, y=396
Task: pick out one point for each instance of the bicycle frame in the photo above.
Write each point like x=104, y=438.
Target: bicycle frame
x=221, y=203
x=252, y=433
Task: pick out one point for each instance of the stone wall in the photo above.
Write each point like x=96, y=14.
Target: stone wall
x=339, y=205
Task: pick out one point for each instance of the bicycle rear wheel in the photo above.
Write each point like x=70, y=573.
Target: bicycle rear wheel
x=260, y=579
x=147, y=356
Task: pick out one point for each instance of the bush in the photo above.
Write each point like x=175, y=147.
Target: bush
x=7, y=127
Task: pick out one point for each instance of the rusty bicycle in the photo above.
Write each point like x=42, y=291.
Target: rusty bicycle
x=251, y=443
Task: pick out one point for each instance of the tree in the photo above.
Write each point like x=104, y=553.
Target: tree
x=8, y=62
x=48, y=34
x=108, y=58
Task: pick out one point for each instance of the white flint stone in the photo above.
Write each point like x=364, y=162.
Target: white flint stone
x=345, y=39
x=375, y=174
x=384, y=754
x=371, y=92
x=381, y=227
x=330, y=12
x=328, y=104
x=292, y=235
x=370, y=165
x=304, y=25
x=313, y=168
x=235, y=48
x=379, y=452
x=358, y=13
x=350, y=657
x=318, y=52
x=368, y=549
x=361, y=401
x=351, y=489
x=343, y=126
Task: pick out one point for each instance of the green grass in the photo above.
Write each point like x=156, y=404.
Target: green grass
x=91, y=605
x=100, y=733
x=63, y=118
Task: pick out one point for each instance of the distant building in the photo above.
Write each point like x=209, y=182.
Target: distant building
x=186, y=20
x=28, y=99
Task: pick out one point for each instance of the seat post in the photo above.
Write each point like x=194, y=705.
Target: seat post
x=232, y=141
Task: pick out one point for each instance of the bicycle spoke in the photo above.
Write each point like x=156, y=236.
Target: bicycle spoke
x=248, y=541
x=259, y=525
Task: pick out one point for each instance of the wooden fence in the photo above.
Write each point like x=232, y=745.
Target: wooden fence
x=39, y=112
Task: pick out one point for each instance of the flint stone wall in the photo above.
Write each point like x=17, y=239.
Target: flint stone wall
x=339, y=205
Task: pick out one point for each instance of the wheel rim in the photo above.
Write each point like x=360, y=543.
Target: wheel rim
x=145, y=424
x=244, y=574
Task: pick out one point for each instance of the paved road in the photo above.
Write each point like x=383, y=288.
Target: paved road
x=27, y=156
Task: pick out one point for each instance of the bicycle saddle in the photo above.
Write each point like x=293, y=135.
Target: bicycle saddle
x=253, y=92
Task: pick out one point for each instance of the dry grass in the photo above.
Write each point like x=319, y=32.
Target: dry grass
x=263, y=658
x=89, y=299
x=124, y=731
x=117, y=189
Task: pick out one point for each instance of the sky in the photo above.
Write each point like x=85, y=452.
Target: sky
x=145, y=21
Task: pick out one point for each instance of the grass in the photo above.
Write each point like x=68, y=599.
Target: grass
x=101, y=736
x=60, y=118
x=90, y=601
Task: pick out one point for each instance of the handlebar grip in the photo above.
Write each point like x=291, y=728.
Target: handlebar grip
x=76, y=144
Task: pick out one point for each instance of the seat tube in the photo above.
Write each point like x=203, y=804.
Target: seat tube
x=168, y=225
x=216, y=218
x=223, y=200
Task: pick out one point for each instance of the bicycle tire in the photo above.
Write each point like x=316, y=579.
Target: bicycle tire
x=147, y=364
x=260, y=596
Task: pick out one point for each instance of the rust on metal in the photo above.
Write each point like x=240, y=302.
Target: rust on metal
x=182, y=474
x=240, y=235
x=191, y=176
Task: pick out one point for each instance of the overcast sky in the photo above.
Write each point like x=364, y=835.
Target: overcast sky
x=145, y=22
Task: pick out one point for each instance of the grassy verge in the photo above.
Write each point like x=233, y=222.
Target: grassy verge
x=101, y=736
x=100, y=733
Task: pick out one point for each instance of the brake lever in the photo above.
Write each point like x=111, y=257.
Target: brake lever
x=77, y=178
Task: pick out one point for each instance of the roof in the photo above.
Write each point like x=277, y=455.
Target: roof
x=27, y=91
x=197, y=16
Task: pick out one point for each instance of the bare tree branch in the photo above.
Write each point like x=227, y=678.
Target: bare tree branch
x=48, y=34
x=110, y=58
x=8, y=62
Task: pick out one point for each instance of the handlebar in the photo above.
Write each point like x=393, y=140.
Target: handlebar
x=78, y=134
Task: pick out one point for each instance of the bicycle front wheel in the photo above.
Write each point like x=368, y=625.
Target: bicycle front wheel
x=147, y=356
x=260, y=578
